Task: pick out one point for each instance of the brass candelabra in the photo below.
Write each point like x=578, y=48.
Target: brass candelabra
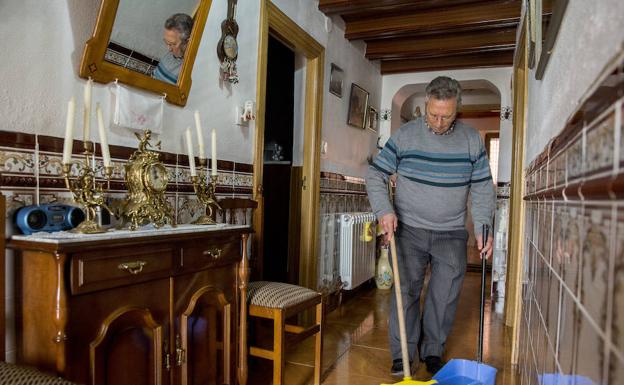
x=86, y=191
x=205, y=193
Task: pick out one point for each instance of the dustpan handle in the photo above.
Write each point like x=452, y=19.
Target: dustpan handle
x=484, y=239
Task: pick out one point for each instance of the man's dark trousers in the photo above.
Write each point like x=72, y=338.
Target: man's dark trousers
x=446, y=252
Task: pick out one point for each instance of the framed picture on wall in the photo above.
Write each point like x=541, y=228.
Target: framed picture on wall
x=372, y=119
x=335, y=80
x=358, y=106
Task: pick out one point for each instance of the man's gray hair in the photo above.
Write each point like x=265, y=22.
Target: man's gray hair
x=182, y=23
x=444, y=88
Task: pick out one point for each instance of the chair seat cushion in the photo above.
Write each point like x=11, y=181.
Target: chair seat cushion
x=277, y=294
x=20, y=375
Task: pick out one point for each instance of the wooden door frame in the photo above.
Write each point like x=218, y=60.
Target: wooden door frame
x=515, y=258
x=275, y=22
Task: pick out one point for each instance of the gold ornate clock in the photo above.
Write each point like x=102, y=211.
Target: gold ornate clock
x=146, y=180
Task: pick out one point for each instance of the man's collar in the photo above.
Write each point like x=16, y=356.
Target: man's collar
x=447, y=132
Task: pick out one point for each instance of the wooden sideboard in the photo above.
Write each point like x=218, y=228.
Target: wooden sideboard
x=133, y=308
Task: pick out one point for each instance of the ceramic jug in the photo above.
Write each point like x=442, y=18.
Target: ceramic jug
x=383, y=273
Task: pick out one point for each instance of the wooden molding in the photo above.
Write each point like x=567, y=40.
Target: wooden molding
x=513, y=302
x=490, y=14
x=359, y=7
x=275, y=22
x=485, y=60
x=442, y=45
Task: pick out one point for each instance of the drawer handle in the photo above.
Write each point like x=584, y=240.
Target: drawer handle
x=133, y=268
x=213, y=253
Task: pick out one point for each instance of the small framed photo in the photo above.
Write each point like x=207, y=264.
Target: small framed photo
x=358, y=106
x=372, y=119
x=335, y=80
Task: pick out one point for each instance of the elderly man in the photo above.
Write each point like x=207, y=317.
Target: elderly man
x=176, y=35
x=438, y=161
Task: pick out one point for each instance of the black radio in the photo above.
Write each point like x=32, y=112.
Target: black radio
x=50, y=218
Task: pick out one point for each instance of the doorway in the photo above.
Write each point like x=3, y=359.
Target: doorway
x=275, y=23
x=280, y=172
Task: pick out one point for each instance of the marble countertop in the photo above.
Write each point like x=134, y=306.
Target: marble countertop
x=62, y=237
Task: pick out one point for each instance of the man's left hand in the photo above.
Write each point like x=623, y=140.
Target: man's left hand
x=487, y=250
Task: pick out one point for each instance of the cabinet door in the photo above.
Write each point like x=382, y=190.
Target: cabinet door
x=128, y=349
x=204, y=347
x=119, y=336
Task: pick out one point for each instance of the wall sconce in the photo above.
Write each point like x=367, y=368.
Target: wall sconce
x=246, y=113
x=506, y=113
x=385, y=115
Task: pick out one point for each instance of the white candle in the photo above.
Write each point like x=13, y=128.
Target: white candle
x=200, y=136
x=103, y=138
x=69, y=131
x=87, y=110
x=214, y=151
x=189, y=148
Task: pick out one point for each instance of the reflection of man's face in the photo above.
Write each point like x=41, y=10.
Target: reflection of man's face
x=174, y=42
x=441, y=113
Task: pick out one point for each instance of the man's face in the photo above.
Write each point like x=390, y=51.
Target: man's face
x=173, y=41
x=440, y=114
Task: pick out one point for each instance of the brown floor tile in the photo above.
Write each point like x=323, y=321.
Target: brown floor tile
x=336, y=341
x=261, y=373
x=372, y=338
x=366, y=362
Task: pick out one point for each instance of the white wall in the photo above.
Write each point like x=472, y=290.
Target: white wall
x=590, y=36
x=500, y=77
x=347, y=146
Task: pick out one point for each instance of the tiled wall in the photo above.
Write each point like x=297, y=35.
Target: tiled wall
x=573, y=291
x=30, y=168
x=499, y=259
x=28, y=173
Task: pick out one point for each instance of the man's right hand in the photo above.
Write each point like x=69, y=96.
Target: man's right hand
x=388, y=224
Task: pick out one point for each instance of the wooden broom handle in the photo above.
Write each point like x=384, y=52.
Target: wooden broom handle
x=399, y=301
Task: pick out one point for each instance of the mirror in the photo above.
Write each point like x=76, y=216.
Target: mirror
x=146, y=44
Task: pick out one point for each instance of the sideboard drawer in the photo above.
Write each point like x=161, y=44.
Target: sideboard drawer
x=97, y=271
x=215, y=252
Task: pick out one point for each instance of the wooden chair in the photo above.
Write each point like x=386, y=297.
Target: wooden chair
x=278, y=301
x=12, y=374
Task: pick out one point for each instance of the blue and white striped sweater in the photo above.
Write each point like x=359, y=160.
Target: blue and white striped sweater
x=435, y=174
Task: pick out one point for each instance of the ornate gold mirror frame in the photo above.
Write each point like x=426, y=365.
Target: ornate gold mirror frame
x=93, y=64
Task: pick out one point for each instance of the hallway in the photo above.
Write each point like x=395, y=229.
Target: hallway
x=356, y=344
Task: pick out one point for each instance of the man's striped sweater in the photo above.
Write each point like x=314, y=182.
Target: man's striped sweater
x=435, y=173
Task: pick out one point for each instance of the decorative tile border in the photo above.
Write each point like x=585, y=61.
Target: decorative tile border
x=24, y=171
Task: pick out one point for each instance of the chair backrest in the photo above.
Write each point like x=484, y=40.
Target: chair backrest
x=238, y=211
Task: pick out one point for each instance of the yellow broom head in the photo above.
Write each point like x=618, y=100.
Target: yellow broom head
x=409, y=381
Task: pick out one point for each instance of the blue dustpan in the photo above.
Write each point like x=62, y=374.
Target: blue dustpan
x=465, y=372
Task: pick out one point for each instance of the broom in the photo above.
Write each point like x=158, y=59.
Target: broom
x=407, y=377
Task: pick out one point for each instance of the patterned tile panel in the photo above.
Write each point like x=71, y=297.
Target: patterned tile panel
x=19, y=170
x=599, y=150
x=573, y=295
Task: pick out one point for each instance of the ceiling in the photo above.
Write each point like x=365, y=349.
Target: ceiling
x=426, y=35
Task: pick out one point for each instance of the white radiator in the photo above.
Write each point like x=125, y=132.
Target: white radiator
x=357, y=248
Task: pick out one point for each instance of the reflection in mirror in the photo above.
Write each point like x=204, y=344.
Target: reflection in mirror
x=144, y=37
x=147, y=44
